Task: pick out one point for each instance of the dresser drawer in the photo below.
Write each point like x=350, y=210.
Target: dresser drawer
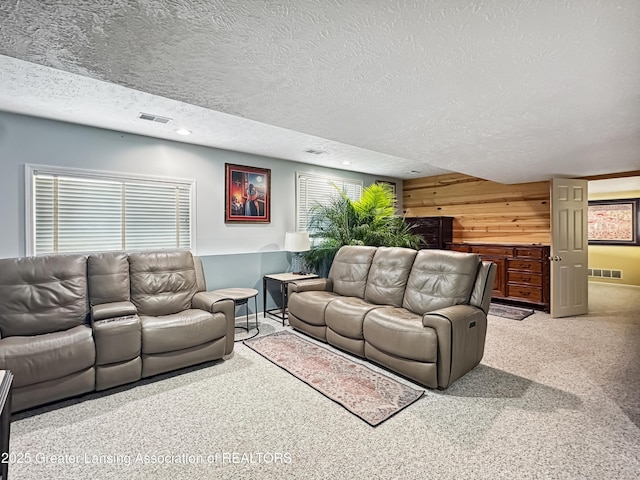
x=431, y=240
x=526, y=265
x=497, y=251
x=531, y=294
x=425, y=222
x=529, y=252
x=525, y=278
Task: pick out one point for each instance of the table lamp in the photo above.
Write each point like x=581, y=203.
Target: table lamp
x=296, y=242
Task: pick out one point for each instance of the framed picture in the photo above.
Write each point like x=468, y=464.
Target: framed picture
x=391, y=184
x=393, y=189
x=614, y=222
x=247, y=194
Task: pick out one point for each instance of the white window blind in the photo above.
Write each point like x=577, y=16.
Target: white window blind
x=72, y=212
x=312, y=189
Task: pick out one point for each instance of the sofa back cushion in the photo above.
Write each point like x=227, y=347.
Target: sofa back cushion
x=108, y=275
x=440, y=278
x=162, y=283
x=42, y=294
x=388, y=275
x=349, y=270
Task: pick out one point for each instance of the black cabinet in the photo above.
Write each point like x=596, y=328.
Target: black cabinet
x=437, y=232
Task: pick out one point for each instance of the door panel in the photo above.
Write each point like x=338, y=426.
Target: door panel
x=500, y=282
x=569, y=254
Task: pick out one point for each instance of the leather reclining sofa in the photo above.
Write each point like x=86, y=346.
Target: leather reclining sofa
x=71, y=324
x=422, y=314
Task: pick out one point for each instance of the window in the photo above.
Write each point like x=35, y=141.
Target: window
x=71, y=210
x=313, y=188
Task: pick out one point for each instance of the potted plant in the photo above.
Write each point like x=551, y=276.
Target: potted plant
x=368, y=221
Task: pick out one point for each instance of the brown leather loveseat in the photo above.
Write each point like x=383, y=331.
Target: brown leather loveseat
x=422, y=314
x=71, y=324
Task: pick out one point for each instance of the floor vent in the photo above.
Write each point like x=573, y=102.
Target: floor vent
x=605, y=273
x=154, y=118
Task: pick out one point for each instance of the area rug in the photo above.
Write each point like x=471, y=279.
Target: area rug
x=370, y=395
x=507, y=311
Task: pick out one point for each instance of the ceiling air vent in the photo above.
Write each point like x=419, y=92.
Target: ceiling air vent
x=154, y=118
x=313, y=151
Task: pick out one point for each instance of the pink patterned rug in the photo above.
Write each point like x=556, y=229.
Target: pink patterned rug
x=370, y=395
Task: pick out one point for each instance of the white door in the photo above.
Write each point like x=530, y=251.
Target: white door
x=569, y=244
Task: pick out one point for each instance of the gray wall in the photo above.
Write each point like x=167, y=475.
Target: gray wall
x=233, y=254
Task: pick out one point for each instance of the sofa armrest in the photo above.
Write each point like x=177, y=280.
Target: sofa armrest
x=112, y=310
x=461, y=331
x=117, y=339
x=214, y=303
x=211, y=302
x=310, y=284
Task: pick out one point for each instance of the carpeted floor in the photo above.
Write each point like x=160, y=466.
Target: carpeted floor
x=553, y=398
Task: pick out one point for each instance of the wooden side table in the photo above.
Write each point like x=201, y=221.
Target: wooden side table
x=283, y=280
x=241, y=296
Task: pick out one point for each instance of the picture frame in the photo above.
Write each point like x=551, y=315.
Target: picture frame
x=393, y=189
x=614, y=222
x=391, y=184
x=247, y=194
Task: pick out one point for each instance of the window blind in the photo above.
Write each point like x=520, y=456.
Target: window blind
x=87, y=214
x=312, y=189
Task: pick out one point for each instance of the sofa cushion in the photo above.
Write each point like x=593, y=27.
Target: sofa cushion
x=108, y=276
x=440, y=278
x=42, y=294
x=349, y=270
x=48, y=356
x=162, y=283
x=399, y=332
x=179, y=331
x=388, y=275
x=310, y=306
x=345, y=316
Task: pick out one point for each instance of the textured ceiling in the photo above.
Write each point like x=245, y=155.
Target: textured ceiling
x=511, y=91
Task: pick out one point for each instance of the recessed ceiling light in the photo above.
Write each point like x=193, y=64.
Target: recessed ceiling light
x=183, y=131
x=346, y=162
x=413, y=172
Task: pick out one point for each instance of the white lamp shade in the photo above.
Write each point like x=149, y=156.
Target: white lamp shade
x=297, y=242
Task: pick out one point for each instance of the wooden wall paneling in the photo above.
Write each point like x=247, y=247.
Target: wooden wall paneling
x=484, y=211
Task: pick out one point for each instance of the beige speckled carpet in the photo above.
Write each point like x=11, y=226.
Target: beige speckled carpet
x=552, y=399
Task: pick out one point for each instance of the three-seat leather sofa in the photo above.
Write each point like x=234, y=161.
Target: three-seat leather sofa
x=71, y=324
x=422, y=314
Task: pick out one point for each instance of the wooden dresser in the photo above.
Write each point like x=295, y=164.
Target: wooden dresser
x=436, y=231
x=522, y=276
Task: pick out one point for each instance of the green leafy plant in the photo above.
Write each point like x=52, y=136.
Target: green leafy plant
x=368, y=221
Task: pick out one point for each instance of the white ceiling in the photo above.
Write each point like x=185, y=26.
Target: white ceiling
x=511, y=91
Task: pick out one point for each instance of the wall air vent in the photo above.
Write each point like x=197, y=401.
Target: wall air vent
x=605, y=273
x=154, y=118
x=313, y=151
